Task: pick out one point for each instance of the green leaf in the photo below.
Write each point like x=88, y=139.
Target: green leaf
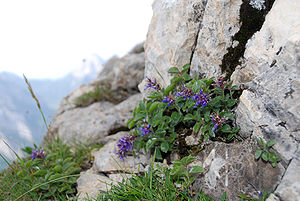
x=40, y=173
x=154, y=95
x=187, y=160
x=154, y=106
x=131, y=123
x=158, y=154
x=189, y=117
x=196, y=170
x=223, y=198
x=55, y=176
x=234, y=87
x=274, y=164
x=164, y=147
x=21, y=172
x=265, y=156
x=175, y=117
x=57, y=168
x=228, y=116
x=176, y=170
x=173, y=70
x=185, y=68
x=139, y=116
x=175, y=80
x=64, y=188
x=270, y=143
x=258, y=153
x=231, y=102
x=197, y=127
x=150, y=143
x=226, y=129
x=169, y=89
x=186, y=77
x=29, y=163
x=204, y=128
x=261, y=142
x=160, y=132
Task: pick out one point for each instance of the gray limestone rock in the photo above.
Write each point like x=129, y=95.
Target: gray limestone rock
x=270, y=74
x=289, y=187
x=93, y=123
x=220, y=23
x=108, y=162
x=232, y=168
x=171, y=37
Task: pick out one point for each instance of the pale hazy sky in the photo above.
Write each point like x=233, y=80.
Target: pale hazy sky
x=48, y=38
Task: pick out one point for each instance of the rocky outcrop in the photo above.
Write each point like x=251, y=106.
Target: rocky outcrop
x=93, y=123
x=171, y=37
x=105, y=115
x=270, y=73
x=220, y=23
x=259, y=50
x=109, y=169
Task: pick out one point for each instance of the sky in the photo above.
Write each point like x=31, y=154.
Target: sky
x=49, y=38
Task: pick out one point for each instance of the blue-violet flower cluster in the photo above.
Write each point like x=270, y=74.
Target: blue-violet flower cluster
x=145, y=130
x=38, y=153
x=185, y=93
x=152, y=84
x=169, y=99
x=218, y=121
x=220, y=82
x=201, y=98
x=125, y=144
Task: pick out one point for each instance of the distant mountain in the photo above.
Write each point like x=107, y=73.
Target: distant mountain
x=21, y=123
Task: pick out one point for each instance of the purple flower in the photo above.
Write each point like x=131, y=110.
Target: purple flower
x=185, y=92
x=145, y=130
x=169, y=99
x=38, y=153
x=220, y=82
x=201, y=98
x=217, y=121
x=125, y=144
x=152, y=84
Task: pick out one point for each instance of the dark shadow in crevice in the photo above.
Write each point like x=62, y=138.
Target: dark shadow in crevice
x=252, y=21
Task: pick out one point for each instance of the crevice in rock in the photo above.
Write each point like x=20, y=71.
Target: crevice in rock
x=118, y=129
x=198, y=13
x=252, y=21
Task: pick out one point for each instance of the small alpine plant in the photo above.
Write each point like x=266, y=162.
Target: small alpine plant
x=37, y=153
x=200, y=106
x=125, y=144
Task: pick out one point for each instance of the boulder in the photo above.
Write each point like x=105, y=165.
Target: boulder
x=93, y=123
x=108, y=168
x=232, y=168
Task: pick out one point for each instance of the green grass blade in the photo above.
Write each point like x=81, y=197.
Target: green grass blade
x=7, y=162
x=36, y=100
x=75, y=175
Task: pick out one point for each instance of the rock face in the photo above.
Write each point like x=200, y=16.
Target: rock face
x=220, y=23
x=260, y=51
x=269, y=106
x=231, y=168
x=172, y=36
x=96, y=120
